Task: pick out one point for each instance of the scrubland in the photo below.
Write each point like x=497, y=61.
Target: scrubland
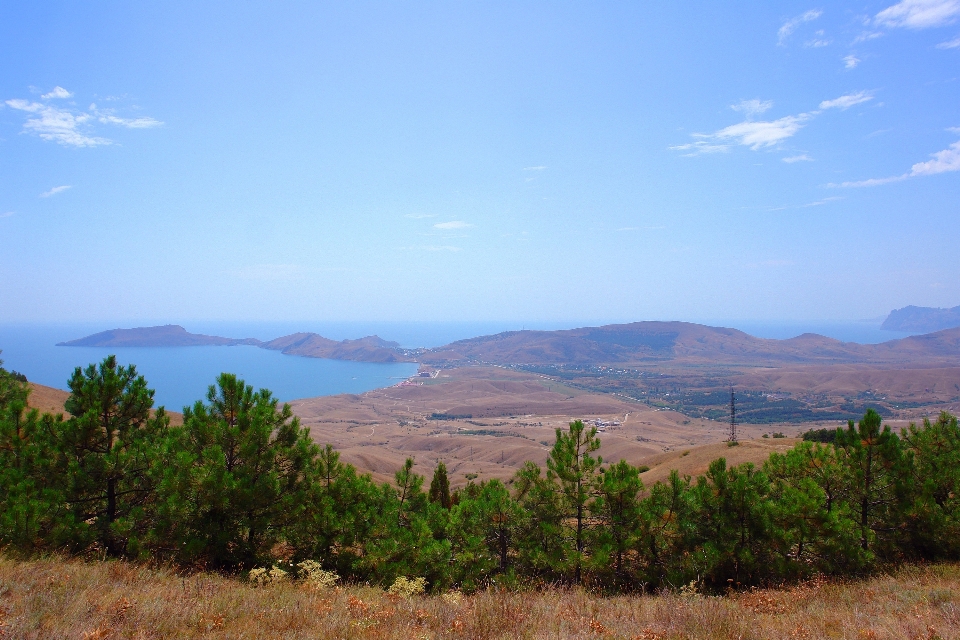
x=71, y=598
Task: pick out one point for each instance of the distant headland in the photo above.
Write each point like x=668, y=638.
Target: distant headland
x=922, y=319
x=368, y=349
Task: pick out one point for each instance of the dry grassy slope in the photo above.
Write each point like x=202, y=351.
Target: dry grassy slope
x=695, y=460
x=928, y=385
x=514, y=418
x=58, y=598
x=684, y=342
x=47, y=399
x=50, y=400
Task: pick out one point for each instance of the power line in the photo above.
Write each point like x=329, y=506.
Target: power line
x=733, y=417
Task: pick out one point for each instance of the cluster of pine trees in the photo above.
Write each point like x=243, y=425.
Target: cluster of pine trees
x=240, y=484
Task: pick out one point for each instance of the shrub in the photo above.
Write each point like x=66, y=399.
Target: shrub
x=315, y=576
x=405, y=587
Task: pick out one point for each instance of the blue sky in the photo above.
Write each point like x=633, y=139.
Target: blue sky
x=478, y=161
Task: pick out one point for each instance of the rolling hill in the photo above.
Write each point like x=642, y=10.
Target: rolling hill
x=687, y=343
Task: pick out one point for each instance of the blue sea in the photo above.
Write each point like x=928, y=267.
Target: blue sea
x=180, y=376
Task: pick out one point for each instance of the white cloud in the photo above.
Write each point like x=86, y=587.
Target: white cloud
x=800, y=158
x=872, y=182
x=791, y=25
x=58, y=92
x=944, y=161
x=700, y=147
x=71, y=127
x=949, y=44
x=818, y=41
x=55, y=190
x=820, y=203
x=420, y=216
x=751, y=108
x=57, y=125
x=6, y=214
x=759, y=134
x=850, y=62
x=867, y=35
x=131, y=123
x=455, y=224
x=750, y=133
x=847, y=101
x=919, y=14
x=538, y=168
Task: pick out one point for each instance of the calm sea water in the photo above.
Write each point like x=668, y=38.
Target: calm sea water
x=181, y=376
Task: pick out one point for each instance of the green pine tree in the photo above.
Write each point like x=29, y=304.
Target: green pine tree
x=106, y=453
x=440, y=486
x=243, y=474
x=575, y=470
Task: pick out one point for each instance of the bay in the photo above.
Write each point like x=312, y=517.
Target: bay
x=181, y=376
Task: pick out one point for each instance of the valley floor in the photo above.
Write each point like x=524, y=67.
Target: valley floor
x=59, y=598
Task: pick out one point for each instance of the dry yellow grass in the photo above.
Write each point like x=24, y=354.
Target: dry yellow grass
x=57, y=598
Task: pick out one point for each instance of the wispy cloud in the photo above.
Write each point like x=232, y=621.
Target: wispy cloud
x=949, y=44
x=850, y=62
x=755, y=134
x=57, y=125
x=55, y=190
x=6, y=214
x=750, y=108
x=68, y=126
x=867, y=35
x=420, y=216
x=759, y=134
x=847, y=101
x=131, y=123
x=58, y=92
x=455, y=224
x=800, y=158
x=944, y=161
x=818, y=203
x=537, y=168
x=791, y=25
x=700, y=147
x=818, y=41
x=919, y=14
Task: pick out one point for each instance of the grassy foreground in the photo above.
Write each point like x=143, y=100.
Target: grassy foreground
x=58, y=598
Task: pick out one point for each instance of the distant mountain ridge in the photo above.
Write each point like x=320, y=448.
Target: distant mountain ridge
x=368, y=349
x=923, y=319
x=686, y=343
x=681, y=343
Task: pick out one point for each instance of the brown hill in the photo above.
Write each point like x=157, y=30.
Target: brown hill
x=368, y=349
x=687, y=343
x=694, y=461
x=50, y=400
x=46, y=399
x=487, y=421
x=170, y=335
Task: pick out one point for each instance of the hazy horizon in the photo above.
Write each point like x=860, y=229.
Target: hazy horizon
x=532, y=162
